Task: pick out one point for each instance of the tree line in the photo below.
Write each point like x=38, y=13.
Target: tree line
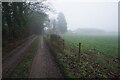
x=22, y=19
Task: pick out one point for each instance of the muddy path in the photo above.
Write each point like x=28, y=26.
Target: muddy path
x=43, y=65
x=10, y=61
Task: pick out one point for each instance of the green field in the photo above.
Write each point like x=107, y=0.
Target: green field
x=105, y=44
x=98, y=56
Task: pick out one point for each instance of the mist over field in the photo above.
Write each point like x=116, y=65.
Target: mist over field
x=92, y=15
x=92, y=31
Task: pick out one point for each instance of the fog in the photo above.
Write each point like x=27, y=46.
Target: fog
x=89, y=14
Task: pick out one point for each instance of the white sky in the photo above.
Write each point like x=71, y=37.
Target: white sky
x=100, y=14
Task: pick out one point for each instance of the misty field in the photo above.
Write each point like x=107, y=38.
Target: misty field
x=105, y=44
x=98, y=57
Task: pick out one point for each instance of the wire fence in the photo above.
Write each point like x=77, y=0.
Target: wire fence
x=89, y=56
x=79, y=49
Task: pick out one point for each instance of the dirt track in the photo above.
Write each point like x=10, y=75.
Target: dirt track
x=43, y=65
x=9, y=62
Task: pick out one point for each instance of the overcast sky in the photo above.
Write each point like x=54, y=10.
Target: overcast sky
x=100, y=14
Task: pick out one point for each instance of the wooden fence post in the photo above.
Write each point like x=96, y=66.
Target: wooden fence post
x=63, y=44
x=79, y=51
